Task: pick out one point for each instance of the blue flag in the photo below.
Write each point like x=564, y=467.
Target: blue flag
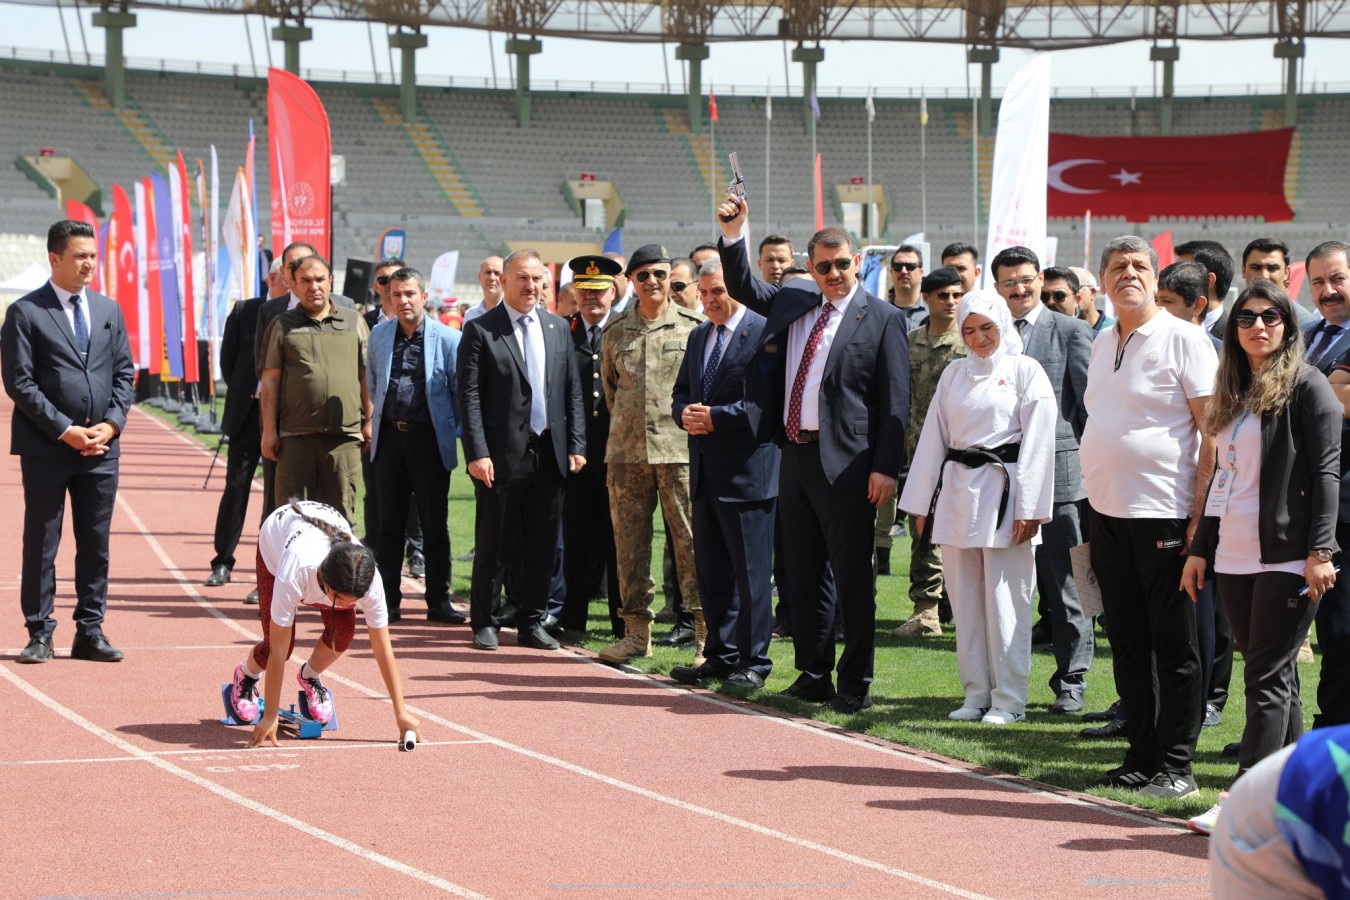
x=165, y=226
x=613, y=242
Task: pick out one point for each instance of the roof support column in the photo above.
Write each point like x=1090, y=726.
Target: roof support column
x=1168, y=56
x=292, y=36
x=523, y=49
x=986, y=57
x=114, y=67
x=1291, y=51
x=694, y=54
x=809, y=57
x=408, y=42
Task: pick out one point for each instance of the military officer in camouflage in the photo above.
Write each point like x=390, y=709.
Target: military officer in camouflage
x=931, y=346
x=647, y=454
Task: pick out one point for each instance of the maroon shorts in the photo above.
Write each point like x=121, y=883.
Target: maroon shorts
x=339, y=625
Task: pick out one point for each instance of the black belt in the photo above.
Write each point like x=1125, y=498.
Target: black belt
x=973, y=458
x=407, y=426
x=805, y=437
x=531, y=439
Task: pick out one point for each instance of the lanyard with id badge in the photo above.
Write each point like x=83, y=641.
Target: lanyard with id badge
x=1217, y=502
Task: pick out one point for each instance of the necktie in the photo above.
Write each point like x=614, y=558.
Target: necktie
x=81, y=327
x=595, y=338
x=534, y=373
x=1020, y=325
x=794, y=419
x=711, y=368
x=1323, y=343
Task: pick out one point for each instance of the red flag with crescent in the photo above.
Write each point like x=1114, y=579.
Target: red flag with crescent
x=122, y=275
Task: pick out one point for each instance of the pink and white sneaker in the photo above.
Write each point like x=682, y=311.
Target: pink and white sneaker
x=317, y=697
x=244, y=699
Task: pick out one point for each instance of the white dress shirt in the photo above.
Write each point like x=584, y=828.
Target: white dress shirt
x=64, y=296
x=798, y=332
x=732, y=324
x=536, y=340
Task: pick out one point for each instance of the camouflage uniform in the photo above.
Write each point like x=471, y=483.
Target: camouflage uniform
x=647, y=454
x=928, y=356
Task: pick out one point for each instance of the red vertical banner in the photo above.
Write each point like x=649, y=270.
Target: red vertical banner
x=122, y=275
x=154, y=364
x=80, y=213
x=1162, y=245
x=1298, y=273
x=190, y=368
x=820, y=197
x=299, y=154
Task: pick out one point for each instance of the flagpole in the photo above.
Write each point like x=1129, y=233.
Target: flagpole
x=923, y=164
x=712, y=161
x=871, y=114
x=975, y=167
x=768, y=155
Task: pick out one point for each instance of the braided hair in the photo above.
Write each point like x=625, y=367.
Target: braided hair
x=349, y=567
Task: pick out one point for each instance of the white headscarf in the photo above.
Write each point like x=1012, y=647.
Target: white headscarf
x=989, y=304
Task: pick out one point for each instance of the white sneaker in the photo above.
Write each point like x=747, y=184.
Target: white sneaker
x=1002, y=717
x=967, y=714
x=1205, y=822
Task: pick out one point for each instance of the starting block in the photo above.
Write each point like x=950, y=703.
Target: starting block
x=297, y=715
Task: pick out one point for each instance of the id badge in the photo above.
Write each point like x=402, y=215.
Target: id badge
x=1217, y=502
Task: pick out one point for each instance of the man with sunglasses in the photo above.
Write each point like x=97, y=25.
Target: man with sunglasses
x=684, y=285
x=647, y=454
x=1087, y=301
x=840, y=359
x=1063, y=347
x=906, y=281
x=383, y=310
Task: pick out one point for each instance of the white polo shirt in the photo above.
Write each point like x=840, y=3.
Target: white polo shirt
x=1141, y=443
x=292, y=550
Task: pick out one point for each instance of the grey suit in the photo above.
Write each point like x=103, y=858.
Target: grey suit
x=1063, y=347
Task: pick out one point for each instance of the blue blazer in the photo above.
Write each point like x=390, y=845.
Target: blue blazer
x=738, y=461
x=440, y=349
x=52, y=386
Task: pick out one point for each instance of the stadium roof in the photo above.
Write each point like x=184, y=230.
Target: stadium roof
x=1039, y=24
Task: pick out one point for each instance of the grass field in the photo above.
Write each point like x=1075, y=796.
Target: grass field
x=916, y=685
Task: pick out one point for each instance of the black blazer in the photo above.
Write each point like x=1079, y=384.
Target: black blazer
x=738, y=461
x=237, y=365
x=52, y=386
x=864, y=394
x=594, y=409
x=494, y=394
x=1300, y=476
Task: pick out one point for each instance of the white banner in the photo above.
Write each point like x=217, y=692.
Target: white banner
x=1021, y=162
x=234, y=233
x=142, y=351
x=441, y=285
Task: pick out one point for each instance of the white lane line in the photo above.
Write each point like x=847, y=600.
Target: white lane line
x=15, y=651
x=213, y=754
x=248, y=803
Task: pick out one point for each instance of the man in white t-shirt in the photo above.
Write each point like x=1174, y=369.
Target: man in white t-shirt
x=1146, y=467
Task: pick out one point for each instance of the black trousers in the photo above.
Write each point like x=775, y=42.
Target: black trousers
x=1138, y=563
x=91, y=482
x=241, y=465
x=370, y=510
x=589, y=564
x=1270, y=621
x=528, y=500
x=1333, y=640
x=412, y=479
x=827, y=530
x=733, y=543
x=1216, y=645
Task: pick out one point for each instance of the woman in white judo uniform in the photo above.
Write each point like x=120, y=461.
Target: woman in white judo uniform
x=980, y=485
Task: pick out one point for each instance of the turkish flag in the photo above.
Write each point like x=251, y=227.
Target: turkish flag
x=122, y=275
x=1139, y=178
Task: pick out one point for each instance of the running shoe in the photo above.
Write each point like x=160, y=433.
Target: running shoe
x=1170, y=786
x=1124, y=777
x=244, y=699
x=1205, y=822
x=317, y=698
x=967, y=714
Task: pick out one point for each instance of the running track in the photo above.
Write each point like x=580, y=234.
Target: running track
x=541, y=774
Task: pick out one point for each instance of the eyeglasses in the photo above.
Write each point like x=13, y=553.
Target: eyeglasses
x=1057, y=296
x=904, y=267
x=843, y=264
x=679, y=286
x=658, y=274
x=1024, y=281
x=382, y=280
x=1270, y=317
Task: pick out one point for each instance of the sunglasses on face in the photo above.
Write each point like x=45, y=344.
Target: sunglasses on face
x=948, y=295
x=842, y=264
x=904, y=267
x=679, y=286
x=658, y=274
x=1269, y=316
x=1056, y=296
x=382, y=280
x=1024, y=281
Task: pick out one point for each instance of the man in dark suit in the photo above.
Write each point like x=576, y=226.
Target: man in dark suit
x=590, y=566
x=724, y=400
x=1063, y=347
x=67, y=366
x=521, y=416
x=840, y=357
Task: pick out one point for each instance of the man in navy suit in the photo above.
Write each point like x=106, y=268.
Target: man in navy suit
x=841, y=360
x=723, y=399
x=521, y=415
x=67, y=366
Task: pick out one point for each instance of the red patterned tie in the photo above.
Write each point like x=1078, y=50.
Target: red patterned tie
x=794, y=419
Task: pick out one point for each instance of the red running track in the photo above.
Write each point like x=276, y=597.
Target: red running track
x=541, y=774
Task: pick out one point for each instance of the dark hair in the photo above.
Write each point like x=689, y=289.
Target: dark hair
x=960, y=248
x=712, y=247
x=771, y=240
x=1012, y=257
x=1218, y=263
x=390, y=262
x=1190, y=248
x=59, y=235
x=408, y=273
x=305, y=260
x=1267, y=245
x=1236, y=386
x=830, y=237
x=684, y=262
x=796, y=270
x=313, y=251
x=1327, y=249
x=349, y=567
x=1188, y=280
x=907, y=248
x=1062, y=273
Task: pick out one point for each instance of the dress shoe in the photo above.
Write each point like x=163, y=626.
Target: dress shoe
x=1040, y=633
x=849, y=703
x=553, y=626
x=252, y=598
x=485, y=638
x=1067, y=702
x=445, y=613
x=395, y=615
x=676, y=637
x=219, y=575
x=883, y=560
x=710, y=668
x=812, y=690
x=39, y=649
x=1232, y=749
x=1113, y=729
x=94, y=647
x=1213, y=716
x=1106, y=715
x=417, y=566
x=744, y=679
x=782, y=630
x=535, y=636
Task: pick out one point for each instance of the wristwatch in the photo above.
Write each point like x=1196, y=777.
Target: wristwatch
x=1322, y=555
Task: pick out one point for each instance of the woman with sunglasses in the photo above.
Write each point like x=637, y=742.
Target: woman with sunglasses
x=1268, y=532
x=980, y=485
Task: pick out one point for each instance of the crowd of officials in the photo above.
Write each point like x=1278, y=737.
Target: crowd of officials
x=789, y=425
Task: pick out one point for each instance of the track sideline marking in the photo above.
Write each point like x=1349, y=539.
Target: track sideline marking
x=248, y=803
x=254, y=753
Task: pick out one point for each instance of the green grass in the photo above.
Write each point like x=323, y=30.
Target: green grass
x=916, y=684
